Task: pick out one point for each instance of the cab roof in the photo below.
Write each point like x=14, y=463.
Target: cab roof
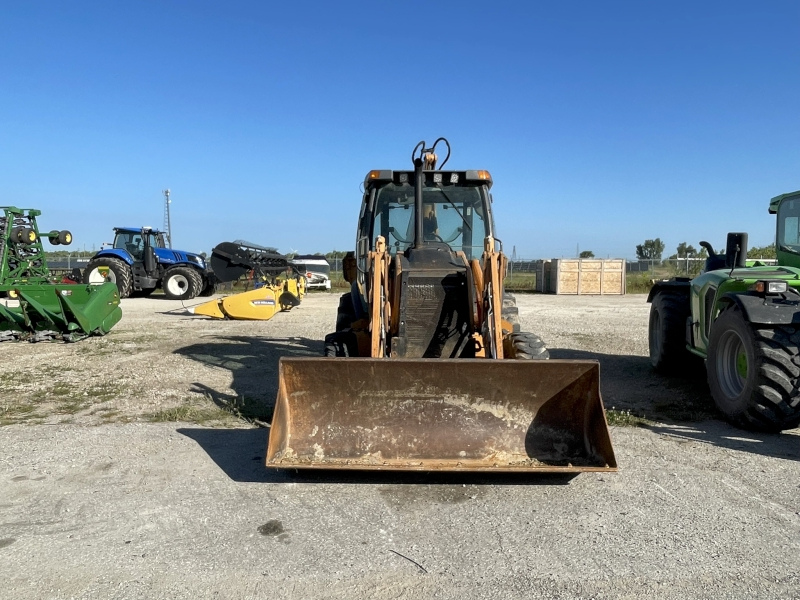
x=776, y=201
x=136, y=229
x=449, y=176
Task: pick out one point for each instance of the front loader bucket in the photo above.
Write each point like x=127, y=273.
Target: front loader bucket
x=69, y=311
x=440, y=415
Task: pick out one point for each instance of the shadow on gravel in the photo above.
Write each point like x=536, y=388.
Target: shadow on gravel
x=629, y=383
x=684, y=402
x=239, y=453
x=253, y=364
x=718, y=433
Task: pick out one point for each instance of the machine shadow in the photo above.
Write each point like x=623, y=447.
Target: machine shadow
x=239, y=453
x=682, y=405
x=253, y=363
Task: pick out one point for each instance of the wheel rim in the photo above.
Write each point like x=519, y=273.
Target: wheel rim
x=97, y=278
x=732, y=366
x=177, y=285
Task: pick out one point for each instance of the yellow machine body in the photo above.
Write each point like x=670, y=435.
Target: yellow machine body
x=424, y=371
x=260, y=304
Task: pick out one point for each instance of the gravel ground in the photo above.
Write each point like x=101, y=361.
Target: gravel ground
x=102, y=496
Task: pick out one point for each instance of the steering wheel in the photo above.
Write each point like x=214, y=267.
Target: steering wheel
x=393, y=231
x=433, y=237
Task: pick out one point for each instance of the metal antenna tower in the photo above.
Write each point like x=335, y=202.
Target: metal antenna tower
x=167, y=222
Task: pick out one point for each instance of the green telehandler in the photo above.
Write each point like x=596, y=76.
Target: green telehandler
x=744, y=321
x=36, y=307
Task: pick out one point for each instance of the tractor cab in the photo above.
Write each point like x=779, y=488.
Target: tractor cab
x=134, y=240
x=787, y=242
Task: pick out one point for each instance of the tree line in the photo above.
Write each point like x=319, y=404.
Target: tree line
x=654, y=250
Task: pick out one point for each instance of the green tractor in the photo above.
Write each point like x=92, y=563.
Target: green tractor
x=743, y=319
x=36, y=307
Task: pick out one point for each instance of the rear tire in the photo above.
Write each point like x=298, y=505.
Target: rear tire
x=754, y=373
x=341, y=344
x=667, y=332
x=119, y=273
x=510, y=312
x=525, y=346
x=345, y=314
x=181, y=283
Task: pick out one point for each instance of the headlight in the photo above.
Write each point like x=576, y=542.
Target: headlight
x=770, y=287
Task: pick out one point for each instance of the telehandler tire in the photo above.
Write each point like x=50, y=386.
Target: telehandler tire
x=119, y=273
x=667, y=332
x=753, y=372
x=181, y=283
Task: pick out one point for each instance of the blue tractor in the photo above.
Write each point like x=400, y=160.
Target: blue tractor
x=139, y=262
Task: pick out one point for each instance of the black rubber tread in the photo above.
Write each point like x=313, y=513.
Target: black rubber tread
x=510, y=312
x=770, y=401
x=667, y=332
x=341, y=344
x=346, y=313
x=209, y=288
x=122, y=273
x=525, y=346
x=197, y=280
x=192, y=277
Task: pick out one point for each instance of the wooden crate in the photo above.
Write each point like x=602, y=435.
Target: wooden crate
x=581, y=276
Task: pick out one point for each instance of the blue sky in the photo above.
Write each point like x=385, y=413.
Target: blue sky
x=602, y=123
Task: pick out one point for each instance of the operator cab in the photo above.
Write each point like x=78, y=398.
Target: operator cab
x=456, y=213
x=134, y=241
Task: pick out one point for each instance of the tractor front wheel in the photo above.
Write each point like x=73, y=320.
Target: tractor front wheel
x=754, y=373
x=104, y=268
x=181, y=283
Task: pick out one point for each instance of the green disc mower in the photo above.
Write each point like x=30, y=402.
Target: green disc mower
x=33, y=305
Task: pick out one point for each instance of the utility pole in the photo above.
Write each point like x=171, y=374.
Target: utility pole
x=167, y=223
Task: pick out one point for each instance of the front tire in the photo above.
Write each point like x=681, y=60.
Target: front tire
x=667, y=332
x=754, y=373
x=181, y=283
x=117, y=272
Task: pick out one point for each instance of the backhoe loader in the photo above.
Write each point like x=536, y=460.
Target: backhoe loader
x=426, y=370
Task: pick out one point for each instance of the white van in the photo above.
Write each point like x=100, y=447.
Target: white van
x=316, y=269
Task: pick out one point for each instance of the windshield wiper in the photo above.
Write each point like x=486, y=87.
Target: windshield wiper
x=463, y=220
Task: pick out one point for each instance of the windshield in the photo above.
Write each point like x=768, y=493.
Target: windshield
x=132, y=242
x=323, y=268
x=452, y=214
x=789, y=225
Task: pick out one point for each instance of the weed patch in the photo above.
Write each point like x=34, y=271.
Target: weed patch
x=625, y=418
